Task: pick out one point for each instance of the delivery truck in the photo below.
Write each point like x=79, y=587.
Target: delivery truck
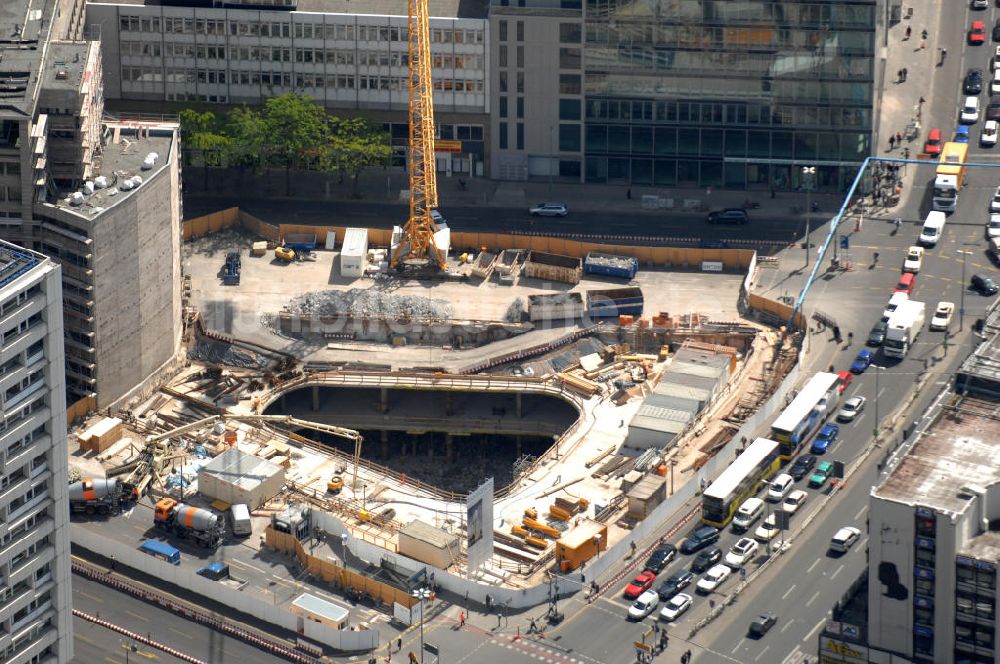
x=904, y=325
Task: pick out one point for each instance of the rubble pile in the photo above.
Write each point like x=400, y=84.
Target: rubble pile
x=369, y=303
x=218, y=352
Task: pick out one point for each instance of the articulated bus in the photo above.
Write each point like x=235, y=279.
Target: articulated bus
x=806, y=412
x=741, y=480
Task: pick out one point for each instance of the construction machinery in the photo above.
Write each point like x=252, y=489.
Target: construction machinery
x=417, y=243
x=100, y=496
x=186, y=521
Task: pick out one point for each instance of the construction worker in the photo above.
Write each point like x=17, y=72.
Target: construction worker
x=664, y=640
x=461, y=619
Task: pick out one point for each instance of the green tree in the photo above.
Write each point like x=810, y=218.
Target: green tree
x=358, y=146
x=203, y=136
x=246, y=127
x=293, y=125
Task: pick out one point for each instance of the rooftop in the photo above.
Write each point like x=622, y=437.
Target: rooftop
x=241, y=469
x=981, y=370
x=22, y=23
x=15, y=261
x=983, y=547
x=425, y=532
x=66, y=64
x=958, y=450
x=125, y=148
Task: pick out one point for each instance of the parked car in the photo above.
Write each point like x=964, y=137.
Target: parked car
x=851, y=408
x=779, y=487
x=993, y=109
x=993, y=226
x=877, y=334
x=549, y=210
x=862, y=361
x=801, y=466
x=705, y=559
x=980, y=4
x=742, y=552
x=661, y=557
x=996, y=26
x=962, y=133
x=914, y=259
x=973, y=82
x=942, y=315
x=933, y=144
x=728, y=216
x=825, y=439
x=644, y=604
x=675, y=583
x=823, y=472
x=677, y=605
x=844, y=539
x=970, y=110
x=640, y=584
x=713, y=578
x=761, y=625
x=977, y=33
x=699, y=538
x=988, y=136
x=983, y=284
x=794, y=500
x=767, y=530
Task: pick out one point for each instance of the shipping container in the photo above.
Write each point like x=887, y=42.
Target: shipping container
x=614, y=302
x=609, y=265
x=161, y=550
x=354, y=252
x=555, y=307
x=300, y=241
x=553, y=267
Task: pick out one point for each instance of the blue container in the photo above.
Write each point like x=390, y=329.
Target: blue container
x=161, y=550
x=609, y=265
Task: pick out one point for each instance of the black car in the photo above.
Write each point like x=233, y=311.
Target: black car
x=706, y=559
x=996, y=31
x=984, y=285
x=699, y=538
x=728, y=216
x=802, y=466
x=677, y=582
x=761, y=624
x=660, y=557
x=973, y=83
x=877, y=335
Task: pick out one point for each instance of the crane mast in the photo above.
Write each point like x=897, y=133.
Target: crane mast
x=418, y=233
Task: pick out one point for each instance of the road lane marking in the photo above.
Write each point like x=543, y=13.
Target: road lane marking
x=836, y=572
x=789, y=591
x=809, y=636
x=860, y=512
x=91, y=597
x=738, y=646
x=813, y=598
x=794, y=655
x=177, y=631
x=787, y=625
x=761, y=654
x=813, y=566
x=136, y=615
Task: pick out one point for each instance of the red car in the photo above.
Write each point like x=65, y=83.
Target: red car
x=640, y=584
x=933, y=144
x=844, y=379
x=906, y=283
x=977, y=33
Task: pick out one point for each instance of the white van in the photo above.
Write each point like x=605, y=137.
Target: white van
x=747, y=514
x=239, y=518
x=933, y=228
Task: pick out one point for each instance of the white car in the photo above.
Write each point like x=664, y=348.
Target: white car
x=844, y=539
x=768, y=530
x=980, y=4
x=713, y=578
x=779, y=487
x=993, y=226
x=995, y=201
x=643, y=605
x=970, y=111
x=988, y=137
x=794, y=501
x=942, y=315
x=551, y=209
x=914, y=259
x=851, y=408
x=742, y=552
x=677, y=605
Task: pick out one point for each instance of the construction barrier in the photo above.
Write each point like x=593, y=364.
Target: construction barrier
x=782, y=312
x=138, y=637
x=80, y=408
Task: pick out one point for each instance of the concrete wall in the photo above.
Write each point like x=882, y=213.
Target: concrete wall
x=890, y=618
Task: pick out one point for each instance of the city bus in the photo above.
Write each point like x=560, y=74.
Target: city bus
x=806, y=412
x=741, y=480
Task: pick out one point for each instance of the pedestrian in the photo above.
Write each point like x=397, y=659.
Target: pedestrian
x=944, y=54
x=899, y=138
x=461, y=619
x=836, y=334
x=413, y=658
x=909, y=31
x=923, y=44
x=924, y=33
x=906, y=73
x=664, y=640
x=892, y=142
x=899, y=76
x=906, y=153
x=399, y=645
x=922, y=100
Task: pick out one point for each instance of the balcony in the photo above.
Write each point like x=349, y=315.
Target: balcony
x=21, y=456
x=21, y=396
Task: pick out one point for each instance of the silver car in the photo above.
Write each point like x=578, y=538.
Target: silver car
x=549, y=210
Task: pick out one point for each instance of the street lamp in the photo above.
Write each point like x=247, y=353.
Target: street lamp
x=421, y=594
x=878, y=371
x=808, y=173
x=961, y=306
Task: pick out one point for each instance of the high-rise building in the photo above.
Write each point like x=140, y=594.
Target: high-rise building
x=35, y=595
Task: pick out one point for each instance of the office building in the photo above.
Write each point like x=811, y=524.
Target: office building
x=683, y=93
x=35, y=595
x=347, y=55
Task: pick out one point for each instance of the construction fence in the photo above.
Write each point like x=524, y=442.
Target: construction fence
x=80, y=408
x=781, y=313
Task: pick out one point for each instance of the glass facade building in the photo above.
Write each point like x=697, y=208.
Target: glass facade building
x=727, y=93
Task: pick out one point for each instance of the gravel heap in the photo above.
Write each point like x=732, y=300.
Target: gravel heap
x=369, y=303
x=218, y=352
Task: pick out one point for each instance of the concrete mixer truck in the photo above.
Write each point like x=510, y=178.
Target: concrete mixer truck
x=202, y=526
x=99, y=496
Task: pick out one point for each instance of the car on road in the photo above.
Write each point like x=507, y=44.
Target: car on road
x=977, y=33
x=844, y=539
x=661, y=557
x=862, y=361
x=825, y=439
x=699, y=538
x=728, y=216
x=973, y=82
x=907, y=282
x=644, y=604
x=988, y=136
x=933, y=144
x=677, y=605
x=980, y=4
x=914, y=259
x=640, y=584
x=761, y=625
x=767, y=530
x=675, y=583
x=822, y=473
x=713, y=578
x=794, y=501
x=851, y=408
x=970, y=111
x=996, y=27
x=962, y=133
x=549, y=210
x=779, y=487
x=801, y=466
x=742, y=552
x=983, y=284
x=993, y=109
x=877, y=334
x=993, y=225
x=705, y=559
x=942, y=315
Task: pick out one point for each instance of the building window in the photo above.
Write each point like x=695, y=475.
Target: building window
x=520, y=107
x=503, y=107
x=569, y=84
x=503, y=81
x=520, y=56
x=570, y=33
x=520, y=135
x=569, y=109
x=520, y=31
x=502, y=55
x=520, y=82
x=503, y=135
x=569, y=138
x=502, y=31
x=569, y=58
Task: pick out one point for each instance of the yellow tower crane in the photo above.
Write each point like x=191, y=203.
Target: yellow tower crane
x=417, y=242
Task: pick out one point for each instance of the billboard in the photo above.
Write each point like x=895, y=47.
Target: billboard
x=479, y=525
